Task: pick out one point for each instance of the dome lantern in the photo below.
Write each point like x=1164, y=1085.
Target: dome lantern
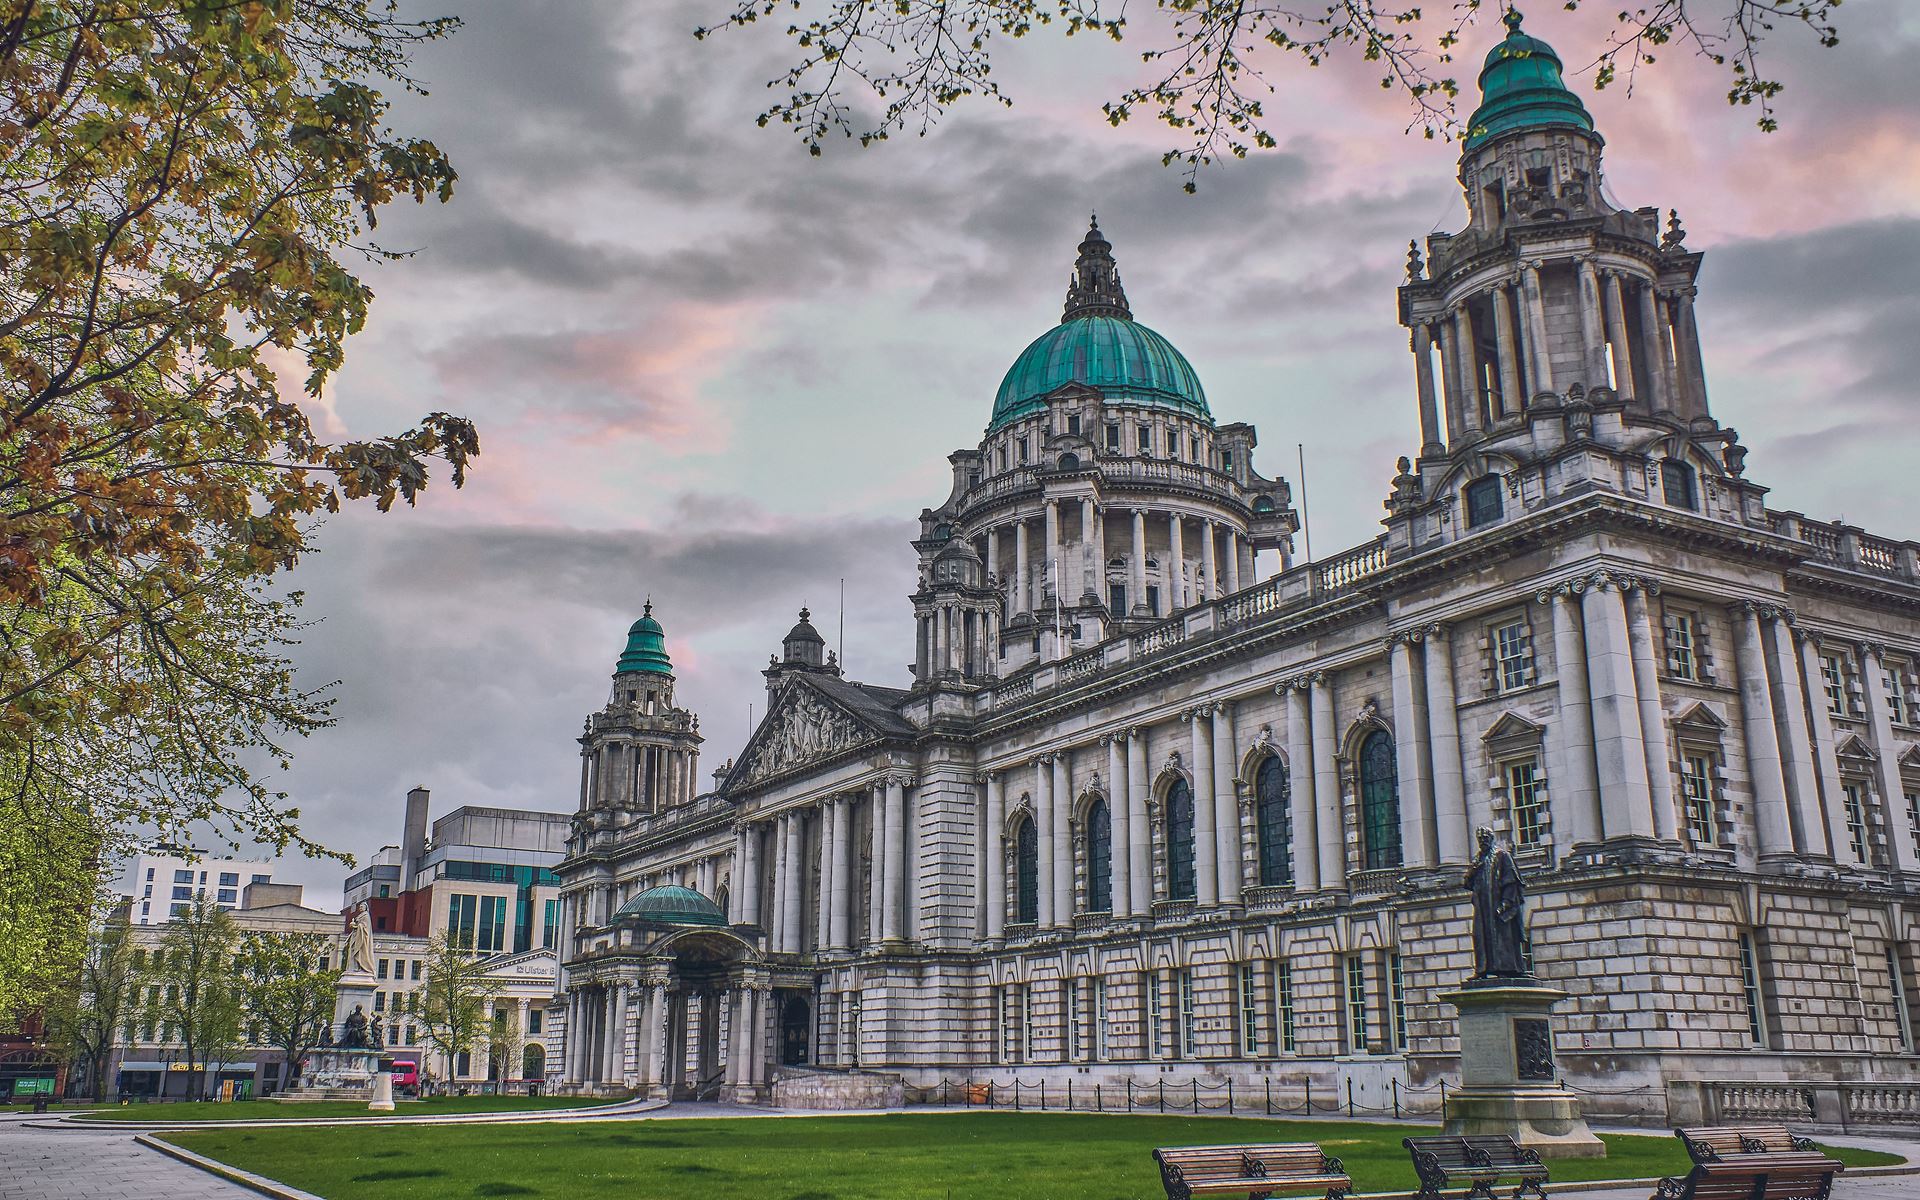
x=1521, y=88
x=646, y=647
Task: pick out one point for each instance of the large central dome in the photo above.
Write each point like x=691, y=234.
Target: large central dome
x=1100, y=345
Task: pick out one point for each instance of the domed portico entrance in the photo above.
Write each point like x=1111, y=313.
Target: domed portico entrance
x=672, y=1004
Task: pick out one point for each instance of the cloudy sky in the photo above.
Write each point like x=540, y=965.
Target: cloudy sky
x=711, y=369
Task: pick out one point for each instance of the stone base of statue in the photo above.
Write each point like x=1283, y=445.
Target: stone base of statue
x=382, y=1093
x=1508, y=1081
x=344, y=1067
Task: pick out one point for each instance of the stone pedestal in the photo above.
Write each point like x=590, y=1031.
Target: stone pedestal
x=382, y=1092
x=1508, y=1080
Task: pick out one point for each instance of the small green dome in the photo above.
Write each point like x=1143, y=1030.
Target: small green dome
x=1126, y=361
x=672, y=905
x=1521, y=88
x=646, y=647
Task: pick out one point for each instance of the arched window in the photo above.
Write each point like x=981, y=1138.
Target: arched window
x=1677, y=481
x=1273, y=817
x=1099, y=858
x=1069, y=461
x=1379, y=801
x=1180, y=841
x=1026, y=873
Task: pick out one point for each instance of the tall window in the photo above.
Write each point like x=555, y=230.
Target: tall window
x=1274, y=820
x=1856, y=821
x=1100, y=1049
x=1677, y=481
x=1902, y=1013
x=1683, y=636
x=1026, y=869
x=1356, y=1005
x=1379, y=801
x=1113, y=437
x=1513, y=656
x=1896, y=700
x=550, y=925
x=1144, y=438
x=1249, y=1013
x=1696, y=796
x=1750, y=990
x=1026, y=1023
x=1527, y=799
x=1283, y=1003
x=1397, y=994
x=1076, y=1046
x=1117, y=599
x=1913, y=819
x=1180, y=841
x=1099, y=858
x=1834, y=677
x=1483, y=501
x=461, y=911
x=1156, y=1033
x=493, y=924
x=1183, y=979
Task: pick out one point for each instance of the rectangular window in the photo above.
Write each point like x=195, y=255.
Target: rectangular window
x=1750, y=989
x=183, y=893
x=1513, y=656
x=183, y=876
x=1023, y=451
x=149, y=874
x=1902, y=1013
x=1397, y=992
x=379, y=1002
x=1156, y=1016
x=1144, y=438
x=1696, y=796
x=536, y=1018
x=1249, y=1013
x=1356, y=1005
x=1117, y=599
x=1113, y=437
x=1856, y=821
x=1283, y=1003
x=1682, y=634
x=493, y=924
x=1226, y=461
x=1173, y=444
x=1483, y=501
x=380, y=969
x=1073, y=423
x=1026, y=1023
x=1896, y=699
x=1528, y=802
x=414, y=974
x=228, y=896
x=1076, y=1047
x=1193, y=449
x=229, y=879
x=1100, y=1050
x=259, y=879
x=1003, y=1027
x=1153, y=600
x=550, y=925
x=1188, y=1040
x=461, y=911
x=412, y=1038
x=1834, y=676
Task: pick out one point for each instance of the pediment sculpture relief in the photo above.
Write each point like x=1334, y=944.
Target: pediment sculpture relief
x=803, y=729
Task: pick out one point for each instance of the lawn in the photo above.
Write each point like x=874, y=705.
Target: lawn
x=934, y=1156
x=270, y=1110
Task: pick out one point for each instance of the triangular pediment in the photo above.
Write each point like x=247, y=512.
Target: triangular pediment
x=805, y=725
x=1698, y=716
x=1511, y=726
x=1911, y=759
x=1852, y=747
x=537, y=963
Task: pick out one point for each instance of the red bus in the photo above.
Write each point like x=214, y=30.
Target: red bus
x=405, y=1071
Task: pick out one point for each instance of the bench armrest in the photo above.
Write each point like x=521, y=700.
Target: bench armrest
x=1331, y=1165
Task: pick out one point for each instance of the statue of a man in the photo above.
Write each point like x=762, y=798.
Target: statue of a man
x=353, y=1036
x=360, y=942
x=1499, y=932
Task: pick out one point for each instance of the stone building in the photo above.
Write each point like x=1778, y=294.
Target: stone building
x=1161, y=803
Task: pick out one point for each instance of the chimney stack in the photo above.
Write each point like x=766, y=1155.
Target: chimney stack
x=413, y=843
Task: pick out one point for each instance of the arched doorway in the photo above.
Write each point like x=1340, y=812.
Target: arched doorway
x=796, y=1026
x=533, y=1061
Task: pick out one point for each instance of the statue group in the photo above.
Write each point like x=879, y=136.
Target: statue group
x=1499, y=926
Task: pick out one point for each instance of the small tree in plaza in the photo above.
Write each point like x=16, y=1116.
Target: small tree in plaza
x=82, y=1021
x=201, y=996
x=505, y=1040
x=455, y=1000
x=289, y=990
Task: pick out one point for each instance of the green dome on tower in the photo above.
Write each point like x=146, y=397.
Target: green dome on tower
x=1521, y=88
x=646, y=647
x=1100, y=345
x=672, y=905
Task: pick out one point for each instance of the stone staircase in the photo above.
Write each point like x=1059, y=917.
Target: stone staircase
x=306, y=1093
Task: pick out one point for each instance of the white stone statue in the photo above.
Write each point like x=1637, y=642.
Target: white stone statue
x=360, y=942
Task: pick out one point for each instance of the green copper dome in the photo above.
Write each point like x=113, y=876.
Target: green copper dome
x=1099, y=344
x=1125, y=360
x=1521, y=88
x=672, y=905
x=646, y=647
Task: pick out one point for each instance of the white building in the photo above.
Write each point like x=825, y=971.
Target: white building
x=164, y=878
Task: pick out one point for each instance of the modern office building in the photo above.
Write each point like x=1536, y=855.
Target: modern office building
x=163, y=877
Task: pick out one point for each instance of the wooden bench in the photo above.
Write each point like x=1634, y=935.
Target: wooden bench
x=1476, y=1162
x=1259, y=1171
x=1753, y=1162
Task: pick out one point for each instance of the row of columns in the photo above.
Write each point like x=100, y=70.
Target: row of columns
x=638, y=775
x=1225, y=558
x=955, y=639
x=830, y=825
x=656, y=1038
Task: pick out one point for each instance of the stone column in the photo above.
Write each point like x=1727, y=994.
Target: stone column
x=1409, y=743
x=1652, y=349
x=1469, y=370
x=1226, y=804
x=993, y=850
x=795, y=936
x=1139, y=846
x=1062, y=848
x=1826, y=764
x=570, y=1041
x=1137, y=566
x=1593, y=338
x=1305, y=850
x=1208, y=564
x=659, y=1033
x=1619, y=748
x=993, y=550
x=1088, y=552
x=1451, y=381
x=777, y=931
x=1790, y=714
x=877, y=851
x=1617, y=334
x=1331, y=821
x=1688, y=340
x=1023, y=571
x=823, y=928
x=737, y=894
x=1450, y=817
x=1773, y=824
x=1206, y=850
x=731, y=998
x=1120, y=817
x=1673, y=382
x=1043, y=818
x=1233, y=561
x=1886, y=761
x=1537, y=328
x=841, y=923
x=1573, y=789
x=1430, y=440
x=1176, y=575
x=1512, y=399
x=896, y=882
x=1051, y=567
x=616, y=1071
x=1653, y=717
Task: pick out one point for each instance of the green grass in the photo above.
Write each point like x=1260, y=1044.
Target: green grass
x=934, y=1156
x=270, y=1110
